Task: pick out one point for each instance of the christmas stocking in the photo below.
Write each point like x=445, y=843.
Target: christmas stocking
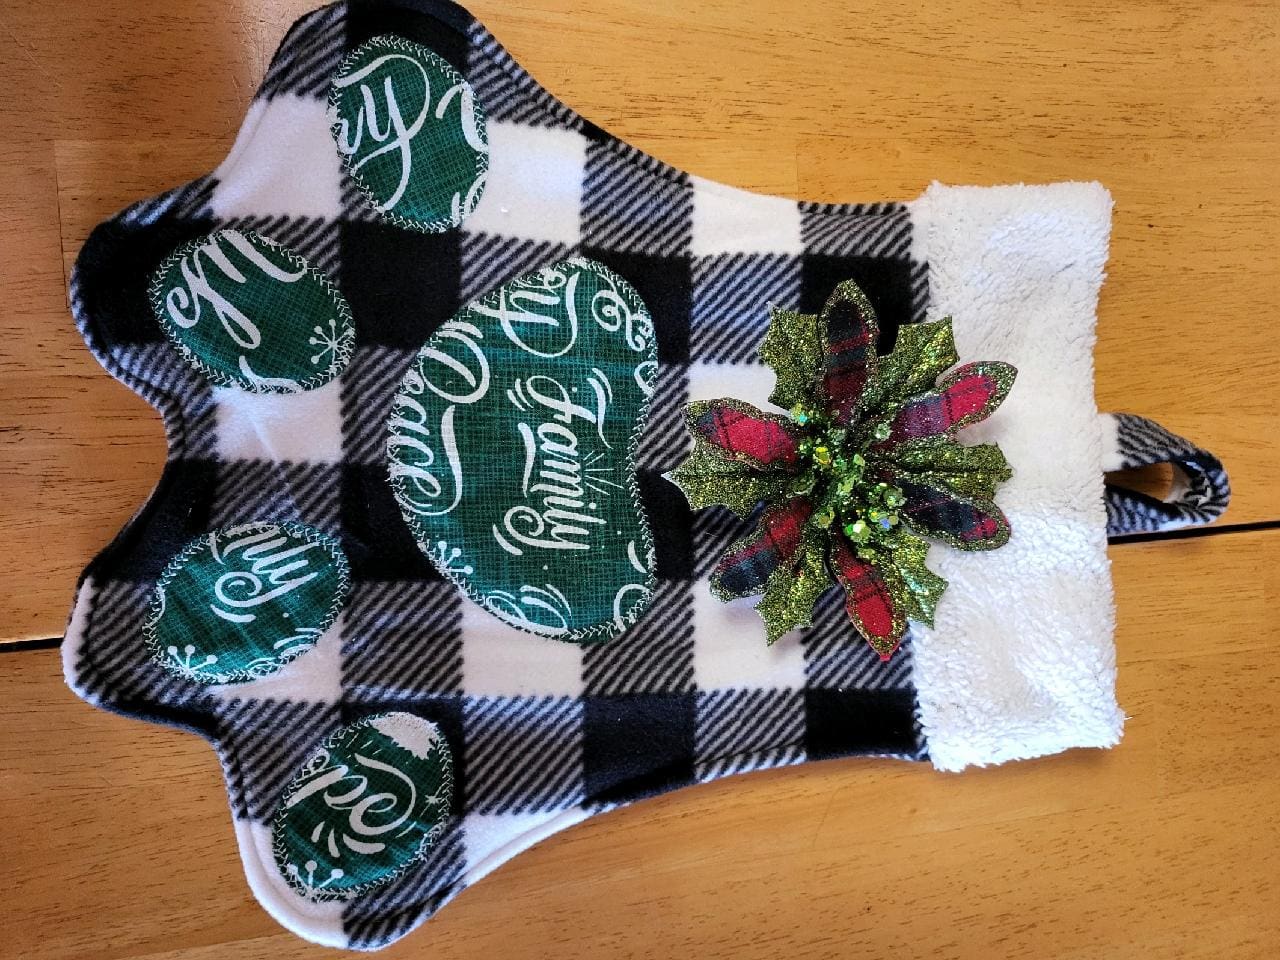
x=515, y=475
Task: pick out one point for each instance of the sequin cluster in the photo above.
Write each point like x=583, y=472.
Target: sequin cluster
x=866, y=464
x=836, y=479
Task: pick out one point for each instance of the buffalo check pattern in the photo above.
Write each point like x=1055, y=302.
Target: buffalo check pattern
x=542, y=733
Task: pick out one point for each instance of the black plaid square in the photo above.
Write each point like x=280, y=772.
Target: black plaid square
x=887, y=283
x=841, y=723
x=665, y=284
x=402, y=638
x=440, y=27
x=655, y=655
x=177, y=513
x=248, y=491
x=114, y=270
x=263, y=743
x=732, y=294
x=671, y=522
x=401, y=284
x=386, y=913
x=523, y=754
x=632, y=205
x=374, y=535
x=369, y=385
x=635, y=746
x=741, y=730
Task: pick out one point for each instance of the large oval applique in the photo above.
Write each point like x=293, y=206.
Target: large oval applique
x=411, y=132
x=249, y=313
x=368, y=804
x=511, y=451
x=239, y=603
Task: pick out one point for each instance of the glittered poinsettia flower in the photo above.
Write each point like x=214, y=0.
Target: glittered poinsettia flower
x=846, y=488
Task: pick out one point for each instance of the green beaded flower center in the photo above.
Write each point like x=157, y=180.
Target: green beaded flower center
x=834, y=477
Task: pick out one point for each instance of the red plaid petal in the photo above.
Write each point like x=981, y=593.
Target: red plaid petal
x=965, y=396
x=933, y=510
x=748, y=564
x=868, y=600
x=850, y=350
x=745, y=433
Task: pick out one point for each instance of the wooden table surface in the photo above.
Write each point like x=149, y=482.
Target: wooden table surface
x=117, y=835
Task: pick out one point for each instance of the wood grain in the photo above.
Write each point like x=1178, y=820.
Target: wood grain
x=119, y=837
x=117, y=833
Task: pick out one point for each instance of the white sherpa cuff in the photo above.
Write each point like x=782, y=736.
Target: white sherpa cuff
x=1021, y=659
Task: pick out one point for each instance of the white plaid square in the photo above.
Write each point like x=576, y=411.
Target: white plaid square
x=264, y=426
x=752, y=382
x=500, y=661
x=315, y=677
x=728, y=220
x=729, y=649
x=534, y=186
x=259, y=177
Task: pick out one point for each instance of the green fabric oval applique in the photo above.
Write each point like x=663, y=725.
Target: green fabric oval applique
x=239, y=603
x=249, y=313
x=512, y=451
x=411, y=132
x=369, y=803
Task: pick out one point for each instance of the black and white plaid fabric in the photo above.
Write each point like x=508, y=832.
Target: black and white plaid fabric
x=543, y=733
x=1201, y=490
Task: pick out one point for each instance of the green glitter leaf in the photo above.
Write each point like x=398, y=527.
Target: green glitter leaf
x=793, y=348
x=917, y=587
x=922, y=352
x=792, y=591
x=709, y=477
x=971, y=471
